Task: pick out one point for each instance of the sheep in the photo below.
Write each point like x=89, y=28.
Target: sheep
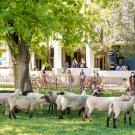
x=70, y=100
x=4, y=96
x=3, y=101
x=53, y=97
x=101, y=103
x=27, y=103
x=38, y=97
x=120, y=107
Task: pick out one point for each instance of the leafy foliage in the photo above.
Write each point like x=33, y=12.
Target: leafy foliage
x=38, y=21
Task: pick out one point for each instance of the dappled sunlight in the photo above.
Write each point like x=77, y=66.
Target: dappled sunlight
x=71, y=125
x=6, y=128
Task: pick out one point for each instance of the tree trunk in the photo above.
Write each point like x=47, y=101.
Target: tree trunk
x=21, y=64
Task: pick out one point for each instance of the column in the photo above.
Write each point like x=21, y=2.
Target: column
x=57, y=55
x=89, y=57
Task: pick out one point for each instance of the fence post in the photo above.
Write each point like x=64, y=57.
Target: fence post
x=56, y=83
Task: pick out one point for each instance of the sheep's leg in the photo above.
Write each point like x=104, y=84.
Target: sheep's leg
x=125, y=119
x=82, y=110
x=107, y=121
x=85, y=113
x=52, y=108
x=49, y=108
x=109, y=114
x=30, y=114
x=43, y=111
x=79, y=113
x=31, y=109
x=114, y=122
x=68, y=110
x=88, y=113
x=10, y=115
x=55, y=109
x=130, y=119
x=60, y=115
x=116, y=114
x=13, y=113
x=7, y=111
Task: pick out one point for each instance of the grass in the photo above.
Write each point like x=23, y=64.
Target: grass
x=71, y=124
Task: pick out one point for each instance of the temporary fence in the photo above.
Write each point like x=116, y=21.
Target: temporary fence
x=56, y=82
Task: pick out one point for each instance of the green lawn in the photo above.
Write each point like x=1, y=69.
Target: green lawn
x=70, y=125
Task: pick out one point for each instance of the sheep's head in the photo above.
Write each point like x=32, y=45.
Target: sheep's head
x=61, y=93
x=44, y=100
x=52, y=95
x=126, y=96
x=47, y=98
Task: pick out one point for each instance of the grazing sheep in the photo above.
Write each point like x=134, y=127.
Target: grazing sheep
x=120, y=107
x=101, y=103
x=4, y=96
x=70, y=100
x=53, y=96
x=3, y=101
x=27, y=103
x=41, y=102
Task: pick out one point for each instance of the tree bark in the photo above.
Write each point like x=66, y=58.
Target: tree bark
x=21, y=64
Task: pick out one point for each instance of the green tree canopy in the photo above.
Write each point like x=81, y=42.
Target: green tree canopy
x=26, y=23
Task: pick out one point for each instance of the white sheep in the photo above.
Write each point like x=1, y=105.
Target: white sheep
x=70, y=100
x=53, y=96
x=120, y=107
x=27, y=103
x=38, y=97
x=3, y=101
x=4, y=97
x=101, y=103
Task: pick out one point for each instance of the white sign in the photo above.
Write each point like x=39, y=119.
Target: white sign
x=4, y=60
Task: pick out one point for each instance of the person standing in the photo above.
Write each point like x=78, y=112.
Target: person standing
x=69, y=80
x=74, y=63
x=82, y=64
x=41, y=81
x=65, y=66
x=132, y=81
x=82, y=77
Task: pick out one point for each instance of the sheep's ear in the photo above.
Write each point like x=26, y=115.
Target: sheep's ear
x=62, y=93
x=50, y=93
x=42, y=97
x=126, y=93
x=24, y=93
